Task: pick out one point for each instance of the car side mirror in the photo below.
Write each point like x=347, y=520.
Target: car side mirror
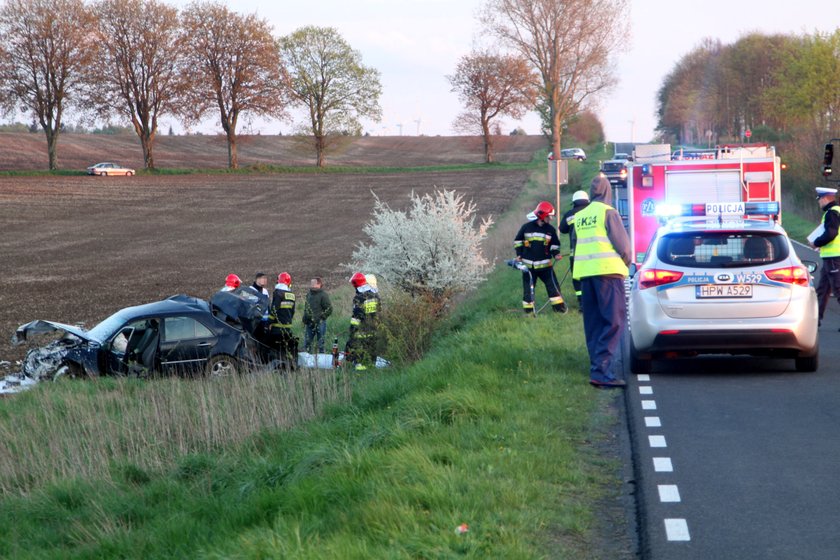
x=810, y=265
x=632, y=269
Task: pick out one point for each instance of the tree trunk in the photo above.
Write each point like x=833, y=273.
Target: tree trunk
x=52, y=147
x=488, y=141
x=147, y=140
x=319, y=150
x=233, y=159
x=556, y=133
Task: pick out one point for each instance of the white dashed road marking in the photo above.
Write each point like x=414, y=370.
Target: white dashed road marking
x=669, y=493
x=657, y=441
x=677, y=530
x=662, y=464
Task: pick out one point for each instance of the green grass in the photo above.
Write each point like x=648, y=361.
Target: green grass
x=492, y=429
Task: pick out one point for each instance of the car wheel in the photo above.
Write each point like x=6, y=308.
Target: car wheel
x=807, y=363
x=104, y=174
x=221, y=366
x=129, y=174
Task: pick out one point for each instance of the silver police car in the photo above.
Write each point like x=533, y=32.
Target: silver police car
x=722, y=286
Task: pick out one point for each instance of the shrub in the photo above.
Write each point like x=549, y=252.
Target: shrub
x=432, y=249
x=408, y=324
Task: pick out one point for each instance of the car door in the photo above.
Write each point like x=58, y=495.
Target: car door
x=185, y=346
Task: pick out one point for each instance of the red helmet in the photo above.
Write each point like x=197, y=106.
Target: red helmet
x=358, y=279
x=232, y=281
x=544, y=210
x=284, y=278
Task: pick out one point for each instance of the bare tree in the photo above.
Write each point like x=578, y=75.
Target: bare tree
x=568, y=42
x=139, y=72
x=239, y=64
x=44, y=45
x=328, y=78
x=490, y=85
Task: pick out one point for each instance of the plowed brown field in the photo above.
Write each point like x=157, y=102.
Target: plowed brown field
x=76, y=249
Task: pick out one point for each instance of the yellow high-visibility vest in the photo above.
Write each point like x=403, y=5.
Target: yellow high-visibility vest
x=594, y=254
x=832, y=248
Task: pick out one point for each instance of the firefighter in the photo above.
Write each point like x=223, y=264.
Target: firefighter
x=828, y=243
x=602, y=255
x=537, y=246
x=280, y=319
x=361, y=344
x=580, y=200
x=231, y=283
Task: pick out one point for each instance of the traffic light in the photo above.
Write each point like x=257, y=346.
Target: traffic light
x=827, y=159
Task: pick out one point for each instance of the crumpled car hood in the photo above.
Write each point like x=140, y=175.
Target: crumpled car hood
x=42, y=327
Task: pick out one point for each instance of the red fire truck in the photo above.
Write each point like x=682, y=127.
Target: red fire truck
x=658, y=178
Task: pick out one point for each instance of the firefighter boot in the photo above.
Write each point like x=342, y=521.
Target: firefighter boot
x=558, y=305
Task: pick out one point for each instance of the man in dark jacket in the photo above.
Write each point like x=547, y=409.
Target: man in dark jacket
x=315, y=312
x=280, y=319
x=537, y=245
x=580, y=200
x=828, y=243
x=602, y=255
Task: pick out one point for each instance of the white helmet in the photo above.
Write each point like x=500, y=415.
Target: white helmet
x=580, y=195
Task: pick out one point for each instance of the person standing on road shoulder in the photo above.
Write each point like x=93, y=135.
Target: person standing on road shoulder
x=580, y=200
x=828, y=244
x=537, y=246
x=601, y=258
x=315, y=312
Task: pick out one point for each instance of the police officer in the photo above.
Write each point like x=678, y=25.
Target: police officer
x=361, y=344
x=601, y=258
x=280, y=319
x=828, y=244
x=537, y=245
x=580, y=200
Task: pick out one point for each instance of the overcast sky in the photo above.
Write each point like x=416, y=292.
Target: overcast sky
x=416, y=43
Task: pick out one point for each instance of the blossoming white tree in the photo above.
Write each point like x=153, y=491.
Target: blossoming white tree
x=434, y=248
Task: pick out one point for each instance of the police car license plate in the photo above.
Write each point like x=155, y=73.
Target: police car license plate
x=712, y=291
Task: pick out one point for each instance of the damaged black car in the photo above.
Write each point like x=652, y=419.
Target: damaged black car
x=181, y=335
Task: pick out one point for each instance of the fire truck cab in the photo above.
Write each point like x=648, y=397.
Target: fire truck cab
x=728, y=173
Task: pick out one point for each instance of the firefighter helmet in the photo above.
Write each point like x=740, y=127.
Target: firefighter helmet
x=284, y=278
x=232, y=281
x=580, y=195
x=358, y=279
x=544, y=210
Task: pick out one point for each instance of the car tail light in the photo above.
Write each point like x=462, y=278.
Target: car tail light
x=623, y=173
x=652, y=277
x=797, y=275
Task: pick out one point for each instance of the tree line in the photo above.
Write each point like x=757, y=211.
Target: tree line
x=783, y=88
x=140, y=60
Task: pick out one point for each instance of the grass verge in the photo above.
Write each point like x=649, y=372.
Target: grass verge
x=491, y=429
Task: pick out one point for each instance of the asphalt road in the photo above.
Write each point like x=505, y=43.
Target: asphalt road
x=739, y=458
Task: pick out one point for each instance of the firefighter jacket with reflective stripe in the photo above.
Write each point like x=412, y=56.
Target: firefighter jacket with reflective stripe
x=829, y=241
x=282, y=307
x=536, y=244
x=595, y=254
x=366, y=306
